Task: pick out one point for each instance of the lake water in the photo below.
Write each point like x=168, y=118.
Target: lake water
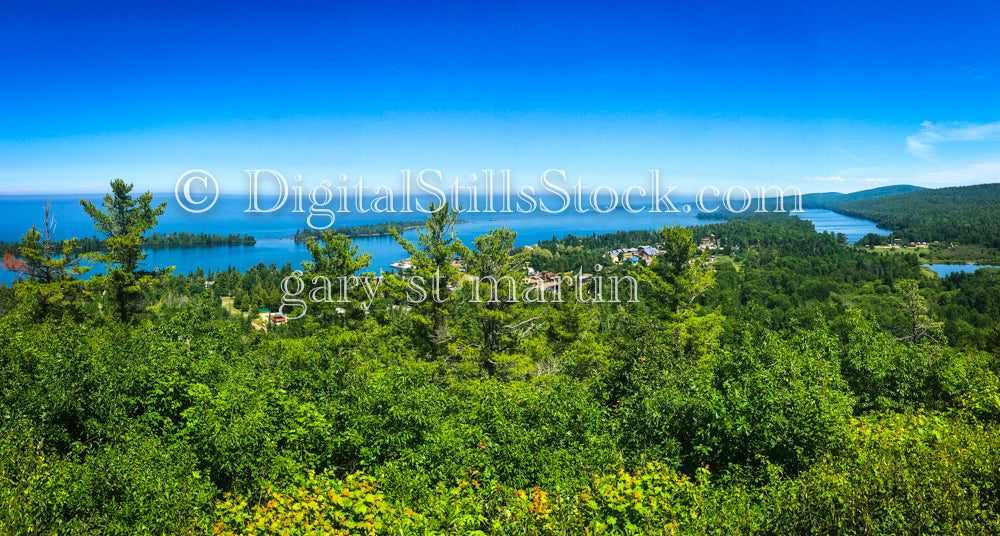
x=944, y=270
x=273, y=230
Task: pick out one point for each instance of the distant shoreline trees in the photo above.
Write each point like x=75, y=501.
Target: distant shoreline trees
x=368, y=230
x=155, y=241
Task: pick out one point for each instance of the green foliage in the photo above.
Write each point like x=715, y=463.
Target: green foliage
x=51, y=267
x=182, y=239
x=794, y=385
x=496, y=295
x=140, y=484
x=155, y=240
x=42, y=258
x=434, y=271
x=337, y=260
x=123, y=221
x=357, y=231
x=322, y=505
x=963, y=214
x=900, y=474
x=334, y=256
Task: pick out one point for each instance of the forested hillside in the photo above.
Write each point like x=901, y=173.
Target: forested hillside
x=780, y=381
x=962, y=214
x=829, y=199
x=824, y=200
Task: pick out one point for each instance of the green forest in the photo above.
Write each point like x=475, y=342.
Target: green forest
x=375, y=229
x=153, y=241
x=958, y=225
x=783, y=382
x=825, y=200
x=961, y=214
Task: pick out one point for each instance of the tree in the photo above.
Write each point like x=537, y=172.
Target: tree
x=430, y=288
x=123, y=221
x=679, y=275
x=43, y=259
x=336, y=259
x=496, y=295
x=919, y=324
x=52, y=268
x=676, y=279
x=240, y=299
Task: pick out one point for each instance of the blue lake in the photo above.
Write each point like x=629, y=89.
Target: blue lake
x=944, y=270
x=273, y=230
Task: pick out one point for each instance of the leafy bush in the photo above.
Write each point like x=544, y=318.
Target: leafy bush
x=321, y=505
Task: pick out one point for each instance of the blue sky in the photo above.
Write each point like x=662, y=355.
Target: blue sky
x=824, y=95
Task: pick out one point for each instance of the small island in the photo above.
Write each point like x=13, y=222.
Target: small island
x=362, y=231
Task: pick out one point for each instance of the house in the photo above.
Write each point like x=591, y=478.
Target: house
x=708, y=242
x=646, y=253
x=621, y=254
x=547, y=276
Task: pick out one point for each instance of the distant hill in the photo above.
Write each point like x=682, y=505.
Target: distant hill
x=827, y=200
x=962, y=214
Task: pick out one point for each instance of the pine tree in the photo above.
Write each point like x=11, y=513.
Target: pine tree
x=52, y=289
x=239, y=299
x=42, y=258
x=495, y=293
x=675, y=280
x=435, y=273
x=123, y=221
x=919, y=324
x=336, y=259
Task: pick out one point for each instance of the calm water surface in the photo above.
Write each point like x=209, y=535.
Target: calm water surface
x=944, y=270
x=273, y=231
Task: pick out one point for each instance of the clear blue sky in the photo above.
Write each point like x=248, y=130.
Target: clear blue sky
x=824, y=95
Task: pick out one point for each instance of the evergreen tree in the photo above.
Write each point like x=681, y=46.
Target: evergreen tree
x=434, y=272
x=919, y=324
x=239, y=299
x=123, y=221
x=676, y=280
x=336, y=259
x=503, y=319
x=52, y=268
